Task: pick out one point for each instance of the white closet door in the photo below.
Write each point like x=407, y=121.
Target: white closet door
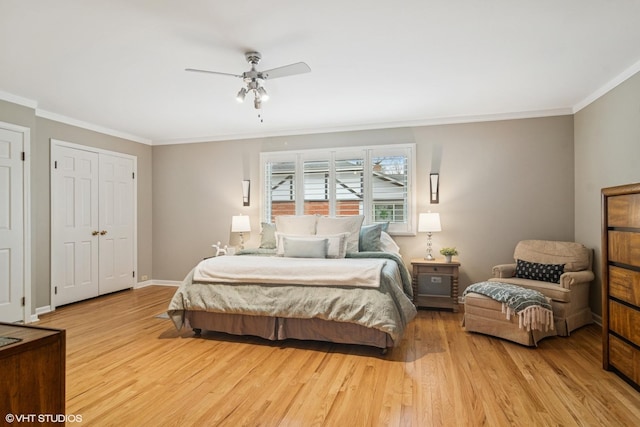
x=74, y=224
x=116, y=223
x=11, y=226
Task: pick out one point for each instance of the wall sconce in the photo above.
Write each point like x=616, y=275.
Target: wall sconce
x=434, y=187
x=246, y=184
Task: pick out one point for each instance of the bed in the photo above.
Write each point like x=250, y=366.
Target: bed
x=360, y=297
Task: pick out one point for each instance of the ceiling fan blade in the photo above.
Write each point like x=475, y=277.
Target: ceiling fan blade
x=212, y=72
x=287, y=70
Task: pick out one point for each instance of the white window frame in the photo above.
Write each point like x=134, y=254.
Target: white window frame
x=409, y=227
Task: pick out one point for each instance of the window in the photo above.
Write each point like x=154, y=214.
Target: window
x=383, y=212
x=281, y=186
x=372, y=181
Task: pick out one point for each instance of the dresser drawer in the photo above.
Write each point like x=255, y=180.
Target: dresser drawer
x=624, y=284
x=624, y=247
x=624, y=358
x=624, y=321
x=624, y=211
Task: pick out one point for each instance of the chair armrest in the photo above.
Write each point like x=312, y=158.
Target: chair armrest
x=504, y=270
x=570, y=278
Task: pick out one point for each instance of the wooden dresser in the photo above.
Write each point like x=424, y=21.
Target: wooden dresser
x=621, y=281
x=32, y=371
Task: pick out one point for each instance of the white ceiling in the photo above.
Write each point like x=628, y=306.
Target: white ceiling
x=118, y=65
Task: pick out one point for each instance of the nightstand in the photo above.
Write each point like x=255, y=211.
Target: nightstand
x=435, y=283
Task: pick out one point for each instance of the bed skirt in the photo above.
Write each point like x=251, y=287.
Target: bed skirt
x=278, y=328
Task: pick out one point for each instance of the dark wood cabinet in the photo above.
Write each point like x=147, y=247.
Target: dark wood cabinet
x=32, y=371
x=621, y=281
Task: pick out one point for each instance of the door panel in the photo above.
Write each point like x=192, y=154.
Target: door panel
x=116, y=222
x=74, y=219
x=11, y=226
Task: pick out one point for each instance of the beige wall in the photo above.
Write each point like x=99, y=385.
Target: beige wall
x=42, y=130
x=607, y=153
x=500, y=182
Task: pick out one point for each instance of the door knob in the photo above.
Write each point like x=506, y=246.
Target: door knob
x=95, y=233
x=103, y=232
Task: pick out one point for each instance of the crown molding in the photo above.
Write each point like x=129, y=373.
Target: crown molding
x=372, y=126
x=610, y=85
x=90, y=126
x=15, y=99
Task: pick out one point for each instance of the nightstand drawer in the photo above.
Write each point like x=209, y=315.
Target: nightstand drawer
x=432, y=269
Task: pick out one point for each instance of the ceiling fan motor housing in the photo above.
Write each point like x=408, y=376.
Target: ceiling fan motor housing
x=253, y=57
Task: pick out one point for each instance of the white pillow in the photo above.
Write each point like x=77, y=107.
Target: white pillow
x=304, y=247
x=345, y=224
x=387, y=244
x=336, y=243
x=303, y=225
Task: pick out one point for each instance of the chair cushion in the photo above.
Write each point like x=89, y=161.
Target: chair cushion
x=473, y=299
x=574, y=256
x=551, y=290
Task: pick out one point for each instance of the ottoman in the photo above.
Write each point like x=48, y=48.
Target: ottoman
x=484, y=315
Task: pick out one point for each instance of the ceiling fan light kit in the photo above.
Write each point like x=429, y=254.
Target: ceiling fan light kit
x=241, y=95
x=254, y=79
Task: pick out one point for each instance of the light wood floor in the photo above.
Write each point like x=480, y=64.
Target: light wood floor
x=127, y=367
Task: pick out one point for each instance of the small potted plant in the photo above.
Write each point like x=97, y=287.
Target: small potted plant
x=448, y=253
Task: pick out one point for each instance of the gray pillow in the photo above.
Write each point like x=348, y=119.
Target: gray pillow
x=268, y=236
x=300, y=247
x=370, y=238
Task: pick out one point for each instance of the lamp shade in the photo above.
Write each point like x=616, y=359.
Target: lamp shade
x=429, y=222
x=240, y=224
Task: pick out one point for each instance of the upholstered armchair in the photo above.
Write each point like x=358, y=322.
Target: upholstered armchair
x=561, y=271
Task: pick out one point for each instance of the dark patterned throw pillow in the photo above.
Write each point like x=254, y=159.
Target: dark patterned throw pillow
x=534, y=271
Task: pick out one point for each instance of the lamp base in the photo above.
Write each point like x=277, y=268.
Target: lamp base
x=429, y=256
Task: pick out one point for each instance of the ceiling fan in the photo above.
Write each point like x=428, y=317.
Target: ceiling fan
x=254, y=78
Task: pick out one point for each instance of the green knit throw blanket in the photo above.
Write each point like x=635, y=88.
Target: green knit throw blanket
x=532, y=307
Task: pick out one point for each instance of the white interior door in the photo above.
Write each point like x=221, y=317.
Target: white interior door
x=116, y=223
x=11, y=226
x=74, y=224
x=93, y=238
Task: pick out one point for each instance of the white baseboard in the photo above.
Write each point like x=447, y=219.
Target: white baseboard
x=47, y=308
x=43, y=310
x=151, y=282
x=143, y=284
x=40, y=310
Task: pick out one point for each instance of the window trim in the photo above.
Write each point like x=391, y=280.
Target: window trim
x=331, y=153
